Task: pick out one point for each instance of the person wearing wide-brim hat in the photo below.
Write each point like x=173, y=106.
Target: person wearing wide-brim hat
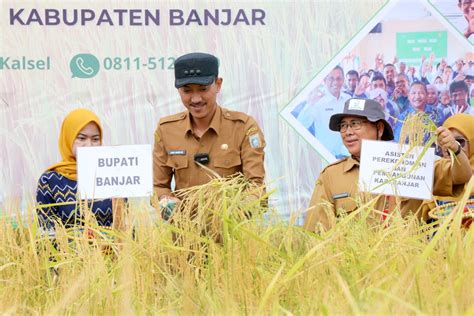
x=56, y=194
x=336, y=189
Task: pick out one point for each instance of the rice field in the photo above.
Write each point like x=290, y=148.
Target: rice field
x=224, y=253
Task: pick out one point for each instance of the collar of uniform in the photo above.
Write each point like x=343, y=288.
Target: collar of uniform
x=215, y=122
x=350, y=163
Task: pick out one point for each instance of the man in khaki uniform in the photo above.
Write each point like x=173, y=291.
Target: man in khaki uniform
x=224, y=141
x=336, y=189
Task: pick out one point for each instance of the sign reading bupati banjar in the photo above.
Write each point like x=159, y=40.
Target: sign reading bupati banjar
x=290, y=65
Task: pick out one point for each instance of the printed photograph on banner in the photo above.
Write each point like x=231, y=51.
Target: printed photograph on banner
x=460, y=14
x=406, y=59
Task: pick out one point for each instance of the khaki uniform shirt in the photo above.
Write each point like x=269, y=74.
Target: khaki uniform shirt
x=336, y=191
x=233, y=141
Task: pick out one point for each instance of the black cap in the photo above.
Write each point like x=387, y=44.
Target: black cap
x=368, y=108
x=195, y=68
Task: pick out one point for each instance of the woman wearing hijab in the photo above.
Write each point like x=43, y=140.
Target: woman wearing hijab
x=58, y=184
x=462, y=127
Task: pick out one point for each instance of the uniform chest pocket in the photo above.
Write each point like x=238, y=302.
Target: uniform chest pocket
x=230, y=160
x=177, y=161
x=346, y=204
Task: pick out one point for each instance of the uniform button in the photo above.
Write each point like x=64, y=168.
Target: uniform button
x=182, y=115
x=227, y=114
x=202, y=145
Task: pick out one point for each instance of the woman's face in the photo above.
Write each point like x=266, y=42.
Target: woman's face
x=88, y=136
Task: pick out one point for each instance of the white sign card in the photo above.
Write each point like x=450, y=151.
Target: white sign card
x=114, y=171
x=381, y=162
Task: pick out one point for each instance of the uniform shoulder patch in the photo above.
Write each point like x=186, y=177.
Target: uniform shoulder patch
x=235, y=115
x=334, y=164
x=173, y=118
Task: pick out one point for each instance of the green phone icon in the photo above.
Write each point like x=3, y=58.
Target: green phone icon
x=84, y=66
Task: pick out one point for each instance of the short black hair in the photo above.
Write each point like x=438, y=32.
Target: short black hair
x=458, y=85
x=386, y=65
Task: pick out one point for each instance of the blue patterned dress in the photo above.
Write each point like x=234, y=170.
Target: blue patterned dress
x=55, y=188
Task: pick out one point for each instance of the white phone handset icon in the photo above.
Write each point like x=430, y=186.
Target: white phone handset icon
x=84, y=69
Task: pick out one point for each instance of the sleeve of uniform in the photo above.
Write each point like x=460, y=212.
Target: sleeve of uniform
x=442, y=183
x=321, y=209
x=252, y=153
x=162, y=173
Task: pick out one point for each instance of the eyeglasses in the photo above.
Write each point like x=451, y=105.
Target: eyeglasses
x=461, y=141
x=354, y=125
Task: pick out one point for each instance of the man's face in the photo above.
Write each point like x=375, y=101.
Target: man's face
x=401, y=84
x=459, y=98
x=432, y=97
x=352, y=137
x=352, y=82
x=389, y=73
x=417, y=97
x=334, y=82
x=380, y=84
x=201, y=101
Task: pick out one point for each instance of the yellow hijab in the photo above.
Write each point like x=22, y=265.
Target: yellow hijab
x=73, y=123
x=465, y=124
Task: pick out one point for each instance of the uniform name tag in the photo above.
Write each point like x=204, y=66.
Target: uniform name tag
x=340, y=196
x=177, y=152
